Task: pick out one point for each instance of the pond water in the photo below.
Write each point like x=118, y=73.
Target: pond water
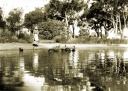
x=89, y=69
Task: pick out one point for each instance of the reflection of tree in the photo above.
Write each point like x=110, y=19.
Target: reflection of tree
x=103, y=66
x=114, y=63
x=74, y=59
x=35, y=61
x=75, y=65
x=65, y=65
x=54, y=60
x=11, y=71
x=21, y=66
x=55, y=68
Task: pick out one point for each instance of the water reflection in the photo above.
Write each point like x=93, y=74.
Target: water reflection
x=35, y=61
x=33, y=78
x=82, y=70
x=10, y=72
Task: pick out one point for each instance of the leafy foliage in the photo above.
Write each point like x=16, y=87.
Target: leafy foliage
x=33, y=17
x=84, y=32
x=14, y=20
x=53, y=9
x=107, y=13
x=2, y=22
x=51, y=28
x=59, y=9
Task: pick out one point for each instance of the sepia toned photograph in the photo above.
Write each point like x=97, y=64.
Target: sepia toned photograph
x=63, y=45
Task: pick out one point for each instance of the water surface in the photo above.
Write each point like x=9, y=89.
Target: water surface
x=99, y=69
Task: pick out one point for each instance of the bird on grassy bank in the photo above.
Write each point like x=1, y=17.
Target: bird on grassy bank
x=21, y=50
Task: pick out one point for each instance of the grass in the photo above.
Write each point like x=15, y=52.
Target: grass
x=95, y=40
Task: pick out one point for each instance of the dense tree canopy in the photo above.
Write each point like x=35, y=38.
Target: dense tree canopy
x=64, y=10
x=108, y=13
x=33, y=17
x=57, y=8
x=112, y=14
x=2, y=22
x=14, y=20
x=53, y=9
x=51, y=28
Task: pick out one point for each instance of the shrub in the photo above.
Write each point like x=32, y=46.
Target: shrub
x=28, y=38
x=9, y=38
x=60, y=39
x=47, y=35
x=84, y=32
x=51, y=28
x=21, y=36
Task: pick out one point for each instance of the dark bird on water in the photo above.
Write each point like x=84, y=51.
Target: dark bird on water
x=35, y=45
x=55, y=49
x=66, y=49
x=21, y=50
x=73, y=50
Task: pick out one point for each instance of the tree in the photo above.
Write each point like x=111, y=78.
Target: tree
x=70, y=10
x=65, y=10
x=96, y=17
x=2, y=22
x=34, y=17
x=53, y=10
x=14, y=20
x=116, y=10
x=108, y=13
x=51, y=28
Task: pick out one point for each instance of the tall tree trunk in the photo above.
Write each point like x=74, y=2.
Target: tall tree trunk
x=73, y=30
x=66, y=20
x=67, y=25
x=120, y=26
x=101, y=33
x=116, y=25
x=124, y=17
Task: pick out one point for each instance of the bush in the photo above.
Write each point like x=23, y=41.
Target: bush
x=47, y=35
x=51, y=28
x=60, y=39
x=28, y=38
x=84, y=32
x=7, y=37
x=21, y=36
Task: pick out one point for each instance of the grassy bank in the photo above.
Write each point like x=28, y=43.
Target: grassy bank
x=95, y=40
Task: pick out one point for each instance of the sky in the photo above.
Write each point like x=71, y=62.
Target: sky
x=26, y=5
